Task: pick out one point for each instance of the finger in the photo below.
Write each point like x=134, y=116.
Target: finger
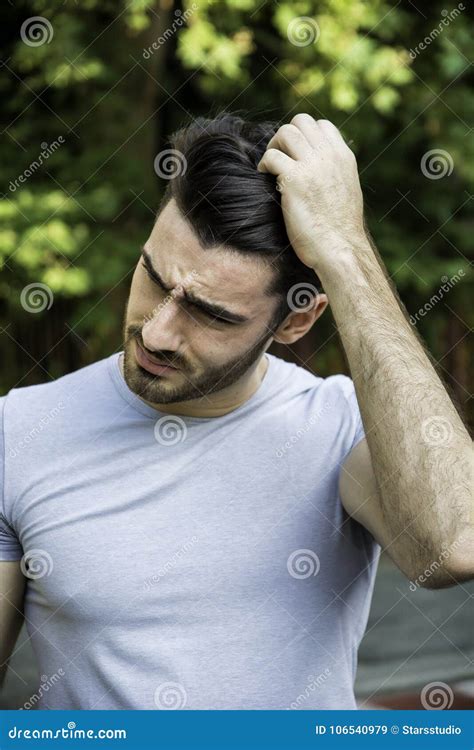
x=318, y=133
x=307, y=125
x=329, y=131
x=323, y=136
x=275, y=162
x=291, y=141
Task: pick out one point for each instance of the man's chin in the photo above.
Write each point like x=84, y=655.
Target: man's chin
x=154, y=389
x=151, y=392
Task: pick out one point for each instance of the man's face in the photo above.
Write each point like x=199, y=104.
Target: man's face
x=209, y=353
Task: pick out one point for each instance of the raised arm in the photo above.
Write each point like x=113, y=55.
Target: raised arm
x=411, y=481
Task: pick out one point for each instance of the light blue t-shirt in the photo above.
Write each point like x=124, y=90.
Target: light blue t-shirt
x=187, y=563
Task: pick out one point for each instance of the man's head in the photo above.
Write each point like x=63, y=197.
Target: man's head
x=227, y=270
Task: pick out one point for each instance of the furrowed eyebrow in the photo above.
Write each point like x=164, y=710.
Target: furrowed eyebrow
x=208, y=307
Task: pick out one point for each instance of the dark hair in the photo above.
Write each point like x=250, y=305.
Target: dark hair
x=228, y=202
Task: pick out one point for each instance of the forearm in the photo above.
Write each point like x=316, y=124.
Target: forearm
x=421, y=451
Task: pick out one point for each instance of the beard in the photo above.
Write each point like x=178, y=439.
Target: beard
x=159, y=389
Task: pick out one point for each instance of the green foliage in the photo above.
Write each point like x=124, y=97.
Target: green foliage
x=77, y=221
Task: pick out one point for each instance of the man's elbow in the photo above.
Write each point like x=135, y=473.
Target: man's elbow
x=453, y=566
x=461, y=568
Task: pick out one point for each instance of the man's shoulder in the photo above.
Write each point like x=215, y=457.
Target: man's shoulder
x=304, y=381
x=53, y=396
x=321, y=415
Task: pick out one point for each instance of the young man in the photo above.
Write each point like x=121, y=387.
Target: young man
x=198, y=522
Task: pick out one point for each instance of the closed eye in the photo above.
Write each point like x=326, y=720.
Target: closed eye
x=219, y=320
x=212, y=318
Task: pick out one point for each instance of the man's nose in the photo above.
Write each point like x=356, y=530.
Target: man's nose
x=163, y=328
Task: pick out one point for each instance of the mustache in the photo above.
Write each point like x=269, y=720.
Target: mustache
x=134, y=332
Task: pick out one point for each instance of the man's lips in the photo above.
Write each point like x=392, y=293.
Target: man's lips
x=150, y=364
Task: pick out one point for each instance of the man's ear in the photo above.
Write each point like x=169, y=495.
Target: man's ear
x=299, y=322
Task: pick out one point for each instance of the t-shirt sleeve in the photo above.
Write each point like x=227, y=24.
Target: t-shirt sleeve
x=10, y=547
x=359, y=431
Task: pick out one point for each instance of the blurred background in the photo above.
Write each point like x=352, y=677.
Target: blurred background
x=91, y=91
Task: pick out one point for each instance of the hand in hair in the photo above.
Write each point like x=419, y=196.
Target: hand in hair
x=321, y=197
